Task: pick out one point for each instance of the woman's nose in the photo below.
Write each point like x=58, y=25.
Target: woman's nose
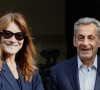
x=12, y=39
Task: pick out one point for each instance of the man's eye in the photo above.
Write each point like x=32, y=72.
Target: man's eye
x=91, y=38
x=80, y=38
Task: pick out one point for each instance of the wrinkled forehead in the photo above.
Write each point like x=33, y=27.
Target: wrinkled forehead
x=90, y=29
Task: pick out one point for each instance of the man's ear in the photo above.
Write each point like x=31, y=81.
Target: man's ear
x=99, y=44
x=74, y=41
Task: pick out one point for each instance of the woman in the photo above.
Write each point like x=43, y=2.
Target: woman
x=17, y=55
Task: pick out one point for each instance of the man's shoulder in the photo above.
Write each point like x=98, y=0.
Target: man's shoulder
x=64, y=64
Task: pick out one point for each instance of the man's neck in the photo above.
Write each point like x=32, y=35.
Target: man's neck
x=88, y=62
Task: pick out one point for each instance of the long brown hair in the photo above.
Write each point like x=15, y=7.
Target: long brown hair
x=26, y=56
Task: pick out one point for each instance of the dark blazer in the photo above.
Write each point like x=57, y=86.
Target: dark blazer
x=64, y=76
x=8, y=82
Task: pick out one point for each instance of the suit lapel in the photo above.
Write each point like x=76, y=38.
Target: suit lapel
x=72, y=71
x=97, y=83
x=9, y=76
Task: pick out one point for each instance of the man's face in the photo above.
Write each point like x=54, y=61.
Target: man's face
x=87, y=42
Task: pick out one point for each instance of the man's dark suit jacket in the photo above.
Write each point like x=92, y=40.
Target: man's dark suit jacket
x=8, y=82
x=64, y=76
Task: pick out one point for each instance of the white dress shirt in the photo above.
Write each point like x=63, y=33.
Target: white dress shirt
x=87, y=75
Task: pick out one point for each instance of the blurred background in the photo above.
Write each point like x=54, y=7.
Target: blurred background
x=51, y=25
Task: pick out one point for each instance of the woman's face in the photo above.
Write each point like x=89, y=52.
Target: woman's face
x=11, y=45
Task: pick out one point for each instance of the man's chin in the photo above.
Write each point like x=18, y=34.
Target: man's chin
x=86, y=57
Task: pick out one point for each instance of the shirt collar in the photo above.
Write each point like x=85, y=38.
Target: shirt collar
x=94, y=64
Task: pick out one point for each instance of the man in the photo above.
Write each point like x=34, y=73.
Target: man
x=83, y=71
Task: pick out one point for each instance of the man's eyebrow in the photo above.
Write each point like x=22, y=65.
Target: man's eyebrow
x=80, y=35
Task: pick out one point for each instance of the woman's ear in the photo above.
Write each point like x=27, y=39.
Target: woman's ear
x=74, y=41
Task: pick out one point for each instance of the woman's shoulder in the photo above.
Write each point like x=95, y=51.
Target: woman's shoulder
x=36, y=72
x=1, y=81
x=36, y=76
x=37, y=80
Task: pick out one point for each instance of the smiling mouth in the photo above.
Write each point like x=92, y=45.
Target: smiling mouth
x=86, y=50
x=11, y=45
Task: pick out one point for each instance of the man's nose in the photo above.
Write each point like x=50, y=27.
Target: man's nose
x=85, y=42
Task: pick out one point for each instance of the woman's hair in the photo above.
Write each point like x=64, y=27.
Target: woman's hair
x=26, y=56
x=87, y=21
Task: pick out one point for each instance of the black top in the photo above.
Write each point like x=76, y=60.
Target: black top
x=19, y=83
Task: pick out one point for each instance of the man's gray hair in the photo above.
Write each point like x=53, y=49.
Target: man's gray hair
x=86, y=21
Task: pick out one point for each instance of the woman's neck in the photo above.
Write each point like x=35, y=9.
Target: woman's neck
x=10, y=58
